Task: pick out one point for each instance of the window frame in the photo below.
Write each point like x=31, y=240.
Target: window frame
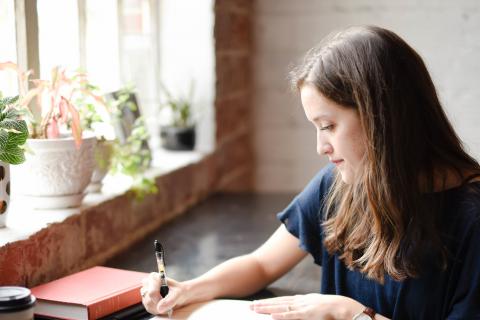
x=26, y=26
x=27, y=35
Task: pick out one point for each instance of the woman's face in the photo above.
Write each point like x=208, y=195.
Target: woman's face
x=339, y=132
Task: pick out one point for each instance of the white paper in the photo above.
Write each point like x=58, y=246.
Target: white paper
x=220, y=309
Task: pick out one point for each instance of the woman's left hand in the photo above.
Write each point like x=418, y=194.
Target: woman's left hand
x=309, y=306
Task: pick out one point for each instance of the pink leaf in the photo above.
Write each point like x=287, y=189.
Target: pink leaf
x=20, y=75
x=76, y=128
x=62, y=107
x=52, y=105
x=25, y=100
x=52, y=129
x=23, y=81
x=8, y=65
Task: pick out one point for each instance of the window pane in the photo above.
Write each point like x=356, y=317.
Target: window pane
x=138, y=58
x=58, y=35
x=138, y=50
x=8, y=80
x=102, y=47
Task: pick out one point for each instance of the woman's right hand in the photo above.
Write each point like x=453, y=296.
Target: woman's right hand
x=153, y=301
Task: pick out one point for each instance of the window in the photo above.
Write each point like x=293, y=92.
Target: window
x=58, y=35
x=8, y=80
x=118, y=42
x=187, y=55
x=138, y=52
x=102, y=44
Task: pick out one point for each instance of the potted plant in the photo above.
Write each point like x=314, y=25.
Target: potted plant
x=60, y=163
x=13, y=134
x=96, y=117
x=131, y=155
x=121, y=148
x=132, y=159
x=179, y=134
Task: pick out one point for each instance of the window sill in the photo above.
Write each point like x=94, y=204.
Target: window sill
x=23, y=221
x=41, y=245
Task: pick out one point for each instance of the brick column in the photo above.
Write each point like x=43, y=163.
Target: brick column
x=233, y=48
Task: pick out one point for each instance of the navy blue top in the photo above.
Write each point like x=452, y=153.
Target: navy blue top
x=450, y=294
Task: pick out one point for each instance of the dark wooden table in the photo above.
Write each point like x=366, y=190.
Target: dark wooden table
x=222, y=227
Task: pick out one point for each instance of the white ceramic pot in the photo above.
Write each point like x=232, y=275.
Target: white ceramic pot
x=56, y=174
x=103, y=158
x=4, y=192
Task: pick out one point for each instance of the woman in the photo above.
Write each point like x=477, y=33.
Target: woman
x=394, y=221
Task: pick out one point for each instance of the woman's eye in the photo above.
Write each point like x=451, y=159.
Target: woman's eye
x=329, y=127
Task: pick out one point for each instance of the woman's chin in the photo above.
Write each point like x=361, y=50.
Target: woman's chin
x=347, y=177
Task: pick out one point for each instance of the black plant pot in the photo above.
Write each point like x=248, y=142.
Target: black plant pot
x=175, y=138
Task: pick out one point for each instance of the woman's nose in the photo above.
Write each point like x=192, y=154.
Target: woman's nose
x=323, y=147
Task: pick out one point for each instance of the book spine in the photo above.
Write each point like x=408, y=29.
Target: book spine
x=114, y=303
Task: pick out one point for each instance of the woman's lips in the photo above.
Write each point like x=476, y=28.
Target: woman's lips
x=337, y=162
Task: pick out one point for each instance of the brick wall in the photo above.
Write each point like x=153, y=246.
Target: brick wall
x=445, y=33
x=99, y=232
x=233, y=93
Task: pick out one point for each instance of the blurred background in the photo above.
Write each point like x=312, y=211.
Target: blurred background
x=228, y=61
x=237, y=54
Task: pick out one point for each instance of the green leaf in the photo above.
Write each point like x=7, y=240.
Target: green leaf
x=10, y=151
x=12, y=114
x=18, y=130
x=4, y=102
x=131, y=159
x=13, y=132
x=3, y=139
x=14, y=155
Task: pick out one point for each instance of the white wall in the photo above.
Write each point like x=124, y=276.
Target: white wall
x=187, y=54
x=445, y=33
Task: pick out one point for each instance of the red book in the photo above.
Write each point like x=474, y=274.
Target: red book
x=89, y=294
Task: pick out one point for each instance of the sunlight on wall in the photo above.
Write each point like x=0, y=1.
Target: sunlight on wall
x=188, y=54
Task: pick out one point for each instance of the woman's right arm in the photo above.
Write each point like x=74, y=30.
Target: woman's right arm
x=237, y=277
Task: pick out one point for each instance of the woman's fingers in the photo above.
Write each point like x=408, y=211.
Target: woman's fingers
x=274, y=305
x=167, y=303
x=150, y=292
x=292, y=315
x=287, y=307
x=274, y=300
x=280, y=311
x=172, y=299
x=280, y=308
x=152, y=282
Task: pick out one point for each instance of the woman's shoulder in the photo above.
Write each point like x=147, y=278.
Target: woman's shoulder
x=310, y=199
x=318, y=186
x=323, y=179
x=462, y=212
x=467, y=199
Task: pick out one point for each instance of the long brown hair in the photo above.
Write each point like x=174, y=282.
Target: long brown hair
x=385, y=222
